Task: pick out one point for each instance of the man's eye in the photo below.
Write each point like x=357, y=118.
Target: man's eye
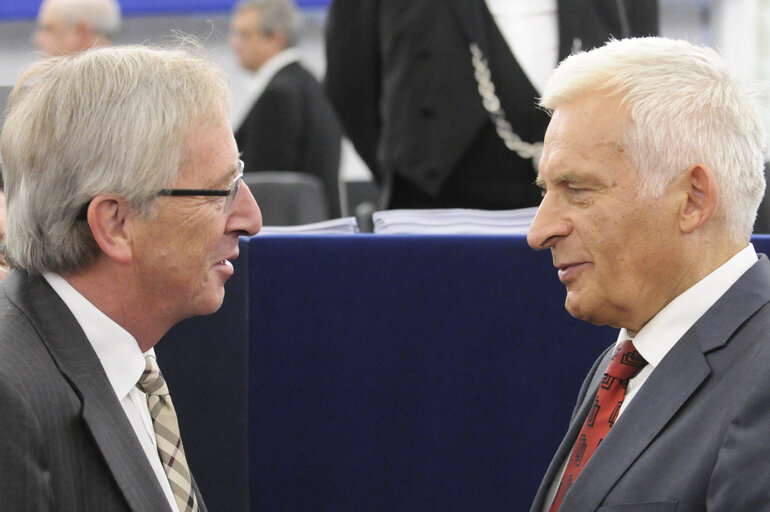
x=578, y=189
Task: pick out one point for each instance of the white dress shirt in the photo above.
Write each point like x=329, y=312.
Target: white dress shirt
x=663, y=331
x=123, y=362
x=531, y=30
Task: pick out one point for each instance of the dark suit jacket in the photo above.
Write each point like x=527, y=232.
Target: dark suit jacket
x=399, y=74
x=293, y=127
x=695, y=437
x=66, y=442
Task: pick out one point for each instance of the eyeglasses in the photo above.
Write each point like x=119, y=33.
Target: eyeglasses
x=229, y=193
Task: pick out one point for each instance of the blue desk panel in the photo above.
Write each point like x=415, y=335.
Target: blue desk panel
x=378, y=373
x=408, y=373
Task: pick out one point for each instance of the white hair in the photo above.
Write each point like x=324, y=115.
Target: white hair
x=108, y=121
x=685, y=108
x=103, y=16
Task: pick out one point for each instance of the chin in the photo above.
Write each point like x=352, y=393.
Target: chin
x=579, y=310
x=209, y=304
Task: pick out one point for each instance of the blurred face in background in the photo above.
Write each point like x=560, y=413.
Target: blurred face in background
x=55, y=36
x=251, y=46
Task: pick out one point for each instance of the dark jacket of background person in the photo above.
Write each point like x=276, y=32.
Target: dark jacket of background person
x=399, y=74
x=292, y=127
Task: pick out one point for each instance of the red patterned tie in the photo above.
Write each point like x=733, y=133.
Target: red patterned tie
x=624, y=364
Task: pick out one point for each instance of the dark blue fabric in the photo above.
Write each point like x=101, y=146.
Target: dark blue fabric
x=408, y=373
x=379, y=373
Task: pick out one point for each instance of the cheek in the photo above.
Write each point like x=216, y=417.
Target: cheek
x=201, y=238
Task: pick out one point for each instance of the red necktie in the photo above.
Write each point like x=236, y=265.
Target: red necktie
x=624, y=364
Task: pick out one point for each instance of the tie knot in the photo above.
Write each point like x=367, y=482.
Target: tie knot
x=152, y=381
x=626, y=362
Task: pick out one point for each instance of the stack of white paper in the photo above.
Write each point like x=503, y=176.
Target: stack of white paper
x=343, y=225
x=454, y=221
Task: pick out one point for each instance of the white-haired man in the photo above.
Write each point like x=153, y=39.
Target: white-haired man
x=652, y=173
x=116, y=231
x=71, y=26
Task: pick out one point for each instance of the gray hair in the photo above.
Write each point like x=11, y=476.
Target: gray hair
x=107, y=121
x=685, y=108
x=276, y=16
x=103, y=16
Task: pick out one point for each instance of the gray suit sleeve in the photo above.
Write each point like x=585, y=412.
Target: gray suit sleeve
x=24, y=477
x=739, y=480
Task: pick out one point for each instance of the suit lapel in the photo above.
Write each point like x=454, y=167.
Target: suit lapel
x=101, y=411
x=669, y=386
x=673, y=382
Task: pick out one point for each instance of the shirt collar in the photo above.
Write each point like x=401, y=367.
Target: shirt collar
x=662, y=332
x=116, y=348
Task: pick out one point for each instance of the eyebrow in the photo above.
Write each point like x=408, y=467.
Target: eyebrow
x=564, y=177
x=228, y=175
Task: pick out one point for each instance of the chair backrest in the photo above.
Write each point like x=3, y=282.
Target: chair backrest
x=288, y=198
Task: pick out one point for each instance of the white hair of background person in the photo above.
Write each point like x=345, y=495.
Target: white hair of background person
x=685, y=108
x=276, y=16
x=108, y=121
x=103, y=16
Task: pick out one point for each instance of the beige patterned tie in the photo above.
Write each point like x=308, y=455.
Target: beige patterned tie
x=167, y=435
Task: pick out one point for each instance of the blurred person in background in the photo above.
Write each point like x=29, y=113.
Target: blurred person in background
x=290, y=124
x=71, y=26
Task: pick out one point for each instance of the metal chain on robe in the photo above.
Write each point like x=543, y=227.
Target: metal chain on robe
x=492, y=105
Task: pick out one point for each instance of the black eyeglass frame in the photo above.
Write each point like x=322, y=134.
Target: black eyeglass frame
x=229, y=193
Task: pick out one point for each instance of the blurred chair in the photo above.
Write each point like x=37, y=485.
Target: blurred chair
x=288, y=198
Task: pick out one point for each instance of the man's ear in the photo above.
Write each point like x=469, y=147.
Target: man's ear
x=702, y=197
x=278, y=39
x=107, y=219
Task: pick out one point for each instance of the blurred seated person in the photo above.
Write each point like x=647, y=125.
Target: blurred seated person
x=71, y=26
x=290, y=126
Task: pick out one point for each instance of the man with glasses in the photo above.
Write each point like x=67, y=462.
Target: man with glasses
x=125, y=209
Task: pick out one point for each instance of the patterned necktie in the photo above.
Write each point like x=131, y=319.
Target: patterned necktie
x=169, y=441
x=623, y=366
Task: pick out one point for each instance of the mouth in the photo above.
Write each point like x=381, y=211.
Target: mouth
x=226, y=263
x=569, y=272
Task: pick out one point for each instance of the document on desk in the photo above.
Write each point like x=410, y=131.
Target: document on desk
x=458, y=221
x=340, y=226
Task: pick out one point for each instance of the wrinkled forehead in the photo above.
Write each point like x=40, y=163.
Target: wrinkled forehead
x=210, y=152
x=590, y=125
